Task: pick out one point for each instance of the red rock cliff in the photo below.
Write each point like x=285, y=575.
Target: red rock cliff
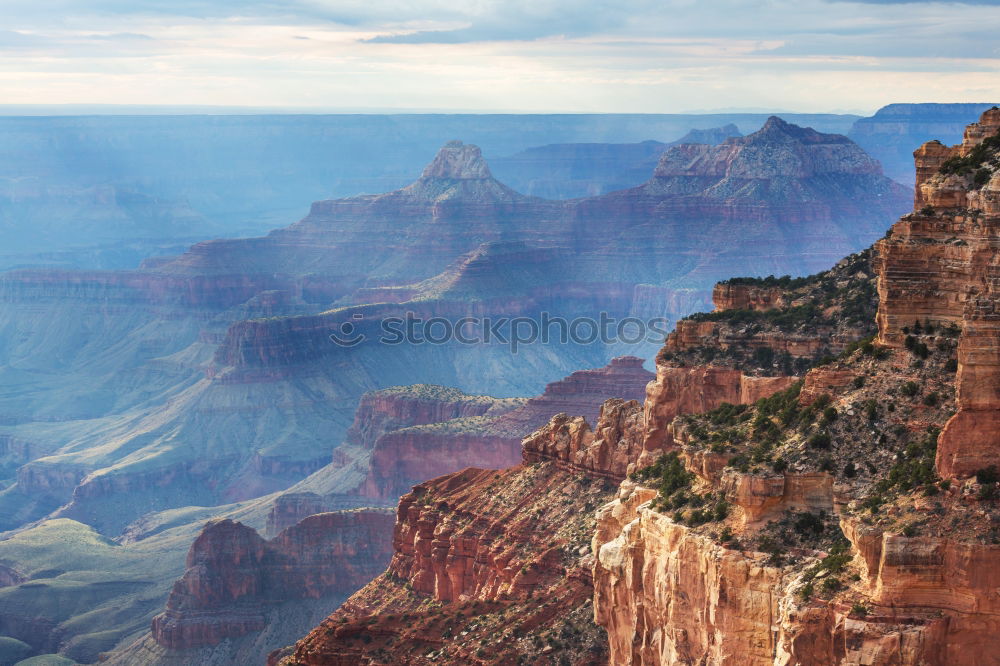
x=938, y=267
x=232, y=572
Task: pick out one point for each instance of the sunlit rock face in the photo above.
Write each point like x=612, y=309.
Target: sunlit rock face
x=669, y=592
x=937, y=267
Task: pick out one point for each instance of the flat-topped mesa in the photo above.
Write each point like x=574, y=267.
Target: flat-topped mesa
x=397, y=407
x=405, y=456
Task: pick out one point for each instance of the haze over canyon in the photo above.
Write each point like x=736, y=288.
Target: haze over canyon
x=211, y=454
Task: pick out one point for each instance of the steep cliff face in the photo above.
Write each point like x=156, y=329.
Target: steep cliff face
x=937, y=269
x=814, y=526
x=233, y=574
x=489, y=567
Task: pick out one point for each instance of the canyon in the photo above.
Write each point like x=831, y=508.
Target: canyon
x=843, y=514
x=241, y=327
x=205, y=388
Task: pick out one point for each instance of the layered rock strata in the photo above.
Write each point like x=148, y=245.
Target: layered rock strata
x=489, y=567
x=937, y=270
x=233, y=574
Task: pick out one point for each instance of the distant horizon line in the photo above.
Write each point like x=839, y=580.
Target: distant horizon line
x=82, y=110
x=71, y=109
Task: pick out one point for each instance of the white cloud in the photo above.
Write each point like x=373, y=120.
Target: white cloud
x=591, y=55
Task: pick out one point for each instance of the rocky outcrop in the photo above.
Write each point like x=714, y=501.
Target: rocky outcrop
x=730, y=296
x=628, y=435
x=937, y=270
x=669, y=590
x=233, y=573
x=895, y=129
x=683, y=390
x=609, y=452
x=667, y=596
x=485, y=564
x=405, y=456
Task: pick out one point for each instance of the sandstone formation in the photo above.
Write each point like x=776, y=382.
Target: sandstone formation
x=936, y=270
x=409, y=433
x=843, y=453
x=489, y=567
x=233, y=574
x=787, y=523
x=626, y=437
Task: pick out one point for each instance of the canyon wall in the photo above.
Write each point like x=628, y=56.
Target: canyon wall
x=919, y=589
x=233, y=574
x=937, y=268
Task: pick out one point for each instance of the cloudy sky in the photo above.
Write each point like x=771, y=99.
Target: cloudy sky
x=500, y=55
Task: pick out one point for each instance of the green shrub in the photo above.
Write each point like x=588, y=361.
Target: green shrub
x=763, y=357
x=820, y=440
x=931, y=399
x=859, y=610
x=951, y=365
x=809, y=522
x=850, y=471
x=987, y=475
x=909, y=389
